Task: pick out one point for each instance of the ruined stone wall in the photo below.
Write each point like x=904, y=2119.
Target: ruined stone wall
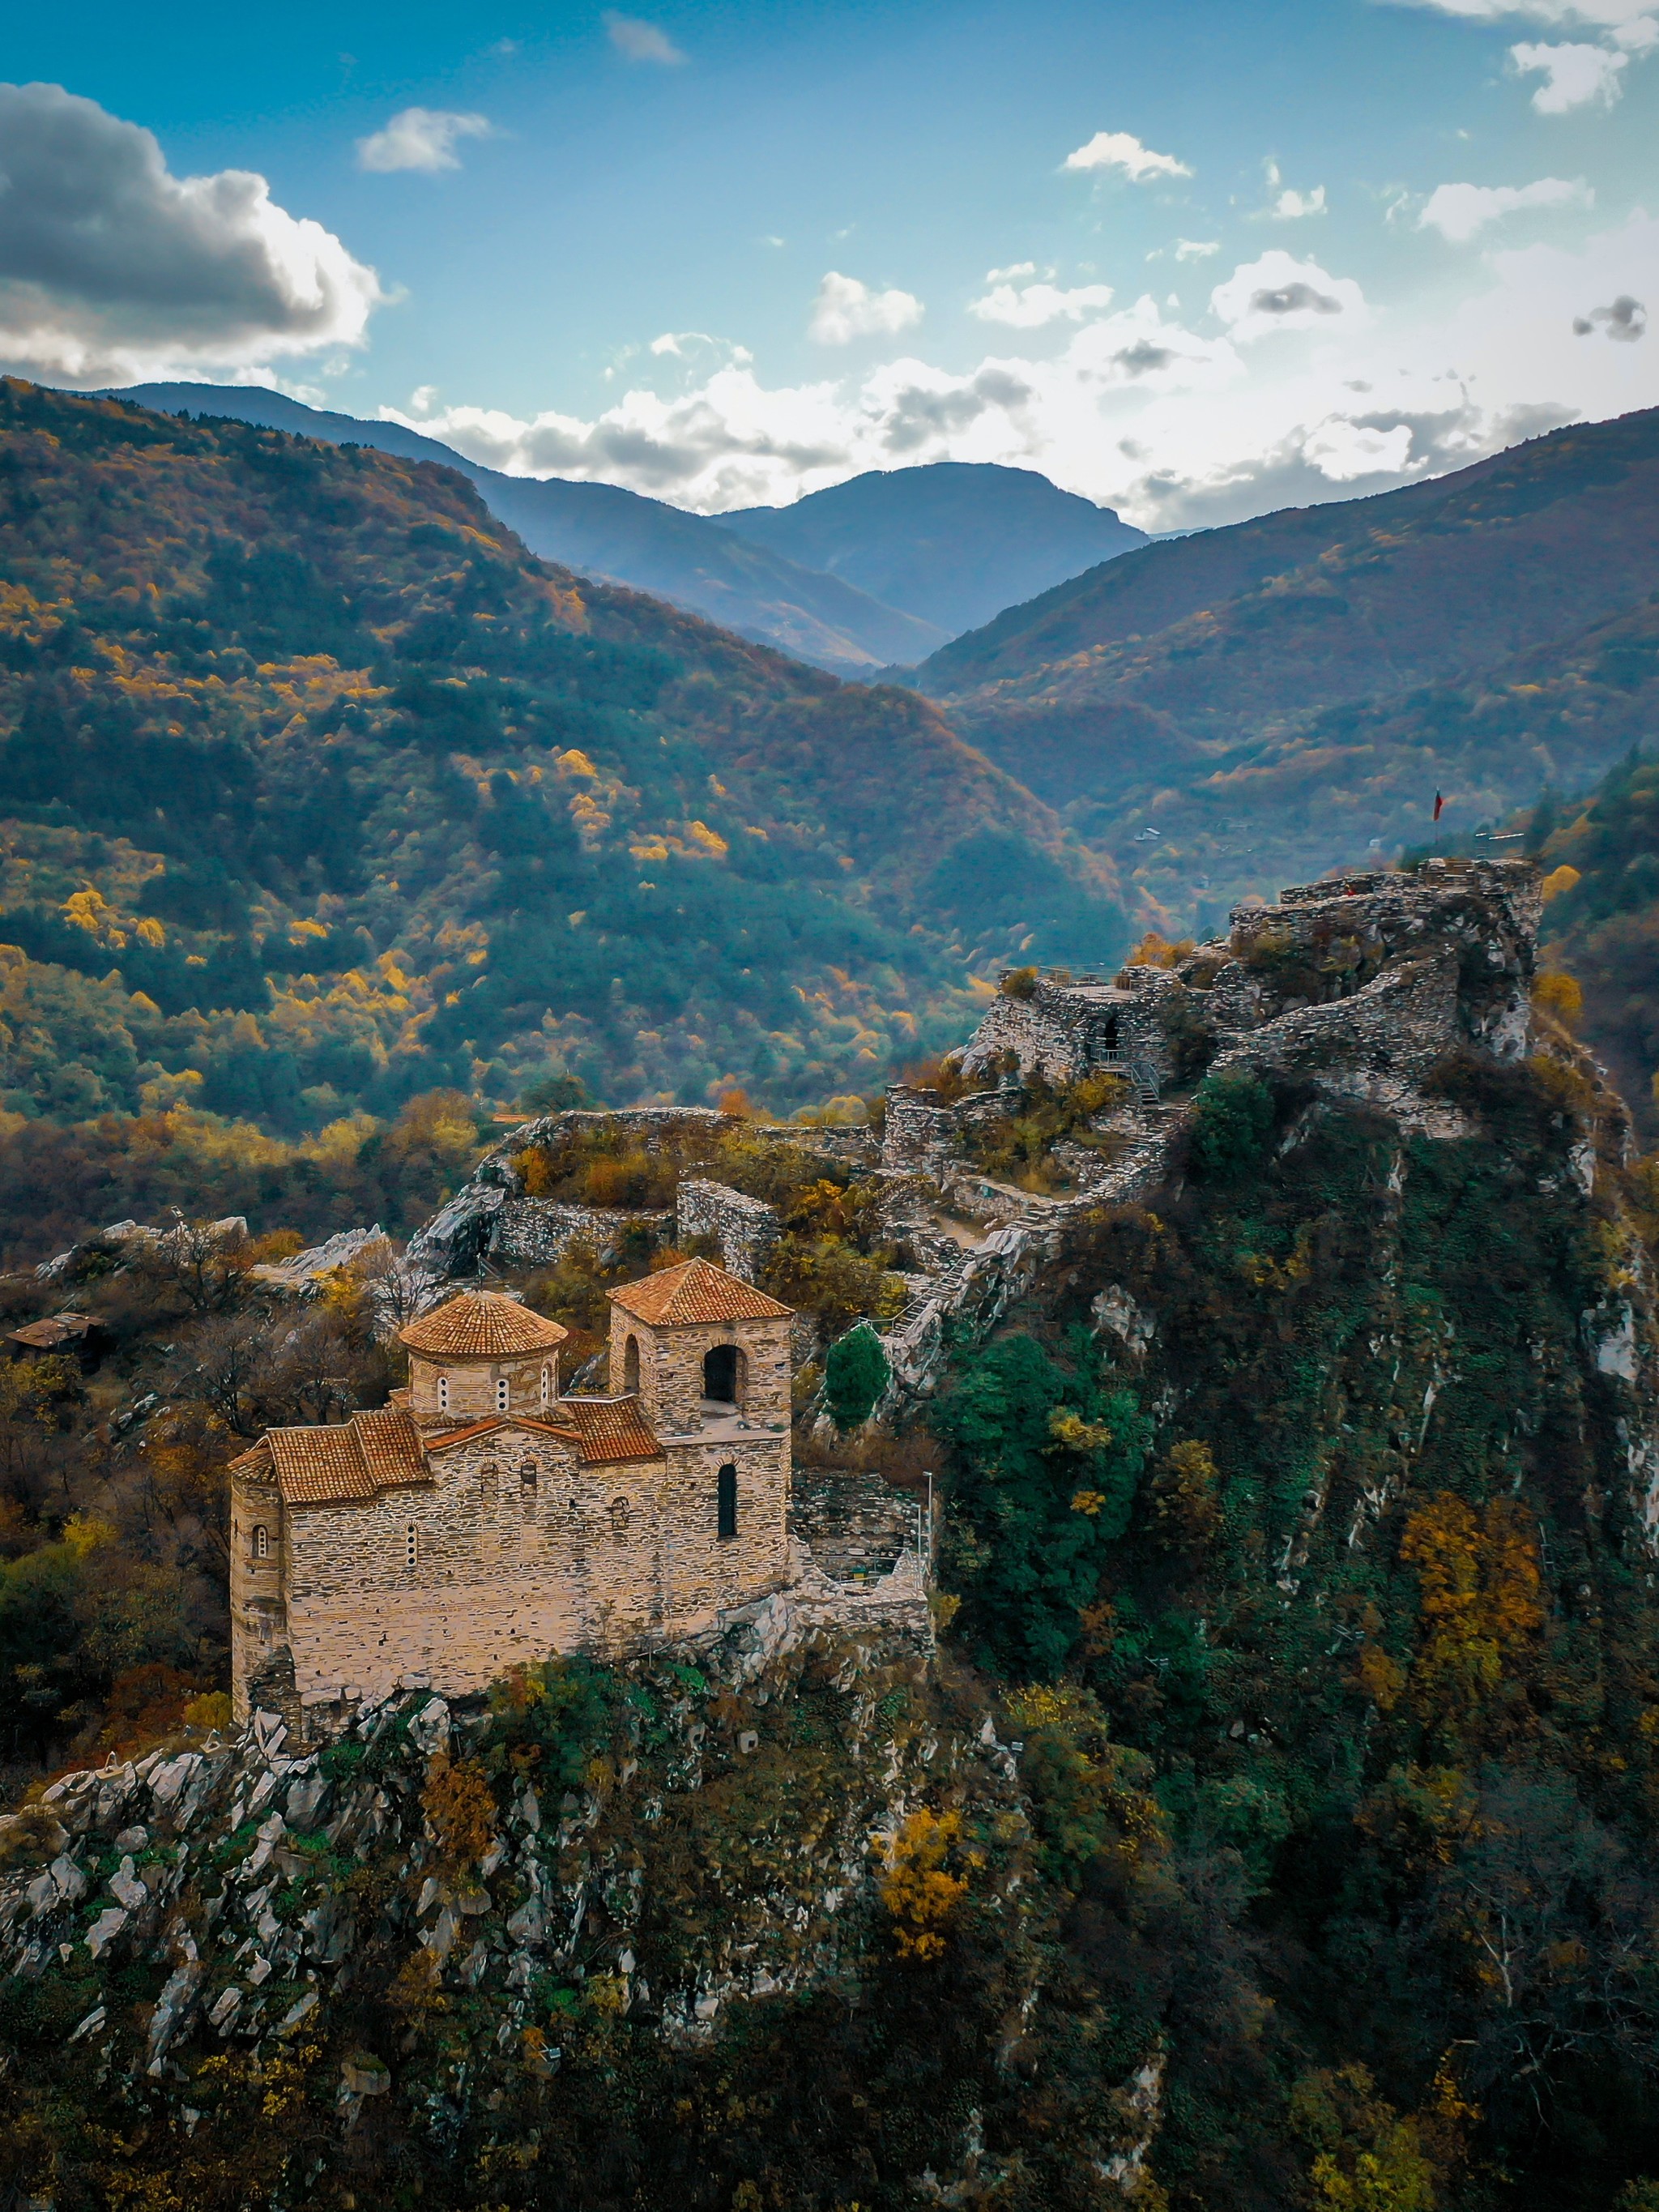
x=1063, y=1031
x=920, y=1133
x=534, y=1232
x=852, y=1520
x=745, y=1229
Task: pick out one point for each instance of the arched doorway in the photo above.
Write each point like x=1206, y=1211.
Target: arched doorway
x=722, y=1375
x=726, y=1504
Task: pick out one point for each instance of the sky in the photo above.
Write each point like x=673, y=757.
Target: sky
x=1194, y=261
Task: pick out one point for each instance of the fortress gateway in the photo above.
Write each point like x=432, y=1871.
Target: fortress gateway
x=483, y=1519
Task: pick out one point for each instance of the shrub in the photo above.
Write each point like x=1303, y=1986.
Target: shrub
x=1235, y=1117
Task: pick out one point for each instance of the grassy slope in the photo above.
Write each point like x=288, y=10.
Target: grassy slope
x=317, y=790
x=1273, y=696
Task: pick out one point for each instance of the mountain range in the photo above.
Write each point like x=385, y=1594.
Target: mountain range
x=317, y=790
x=1229, y=711
x=875, y=572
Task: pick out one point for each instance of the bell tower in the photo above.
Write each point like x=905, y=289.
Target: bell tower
x=701, y=1349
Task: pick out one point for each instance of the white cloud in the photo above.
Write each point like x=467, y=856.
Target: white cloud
x=1028, y=306
x=114, y=270
x=1177, y=426
x=1196, y=249
x=1279, y=293
x=421, y=138
x=1458, y=211
x=1604, y=14
x=845, y=309
x=1120, y=149
x=641, y=42
x=1292, y=205
x=1574, y=75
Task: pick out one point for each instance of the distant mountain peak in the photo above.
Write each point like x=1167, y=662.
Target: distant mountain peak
x=952, y=543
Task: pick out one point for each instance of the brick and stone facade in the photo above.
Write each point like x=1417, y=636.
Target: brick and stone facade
x=483, y=1519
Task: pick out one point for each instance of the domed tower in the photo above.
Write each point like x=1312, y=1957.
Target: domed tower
x=480, y=1354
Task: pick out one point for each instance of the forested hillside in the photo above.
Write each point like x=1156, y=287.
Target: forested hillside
x=1601, y=922
x=604, y=530
x=317, y=791
x=1238, y=709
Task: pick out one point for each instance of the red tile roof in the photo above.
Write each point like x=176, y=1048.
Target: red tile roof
x=480, y=1325
x=610, y=1428
x=349, y=1461
x=696, y=1292
x=603, y=1430
x=47, y=1335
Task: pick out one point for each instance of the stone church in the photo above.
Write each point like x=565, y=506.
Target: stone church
x=484, y=1518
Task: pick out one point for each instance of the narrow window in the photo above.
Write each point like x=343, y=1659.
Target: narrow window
x=631, y=1366
x=619, y=1520
x=727, y=1503
x=411, y=1548
x=500, y=1393
x=443, y=1394
x=547, y=1387
x=527, y=1480
x=261, y=1543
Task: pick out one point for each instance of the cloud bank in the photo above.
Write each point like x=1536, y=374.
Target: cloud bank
x=1292, y=388
x=1459, y=211
x=112, y=269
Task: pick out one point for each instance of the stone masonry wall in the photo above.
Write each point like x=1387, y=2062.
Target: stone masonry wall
x=536, y=1231
x=473, y=1385
x=745, y=1229
x=1062, y=1031
x=508, y=1569
x=670, y=1370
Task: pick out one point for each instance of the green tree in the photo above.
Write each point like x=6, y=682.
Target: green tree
x=855, y=1374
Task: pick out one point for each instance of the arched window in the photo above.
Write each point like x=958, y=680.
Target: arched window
x=619, y=1520
x=725, y=1492
x=261, y=1542
x=411, y=1547
x=631, y=1366
x=546, y=1388
x=722, y=1374
x=527, y=1480
x=443, y=1394
x=502, y=1394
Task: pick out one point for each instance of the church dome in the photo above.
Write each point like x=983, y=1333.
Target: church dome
x=480, y=1325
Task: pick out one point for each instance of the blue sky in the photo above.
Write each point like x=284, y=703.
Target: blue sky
x=1193, y=260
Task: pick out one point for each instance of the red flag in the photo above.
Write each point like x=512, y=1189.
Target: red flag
x=1438, y=803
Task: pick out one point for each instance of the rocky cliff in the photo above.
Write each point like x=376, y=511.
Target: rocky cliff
x=739, y=1927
